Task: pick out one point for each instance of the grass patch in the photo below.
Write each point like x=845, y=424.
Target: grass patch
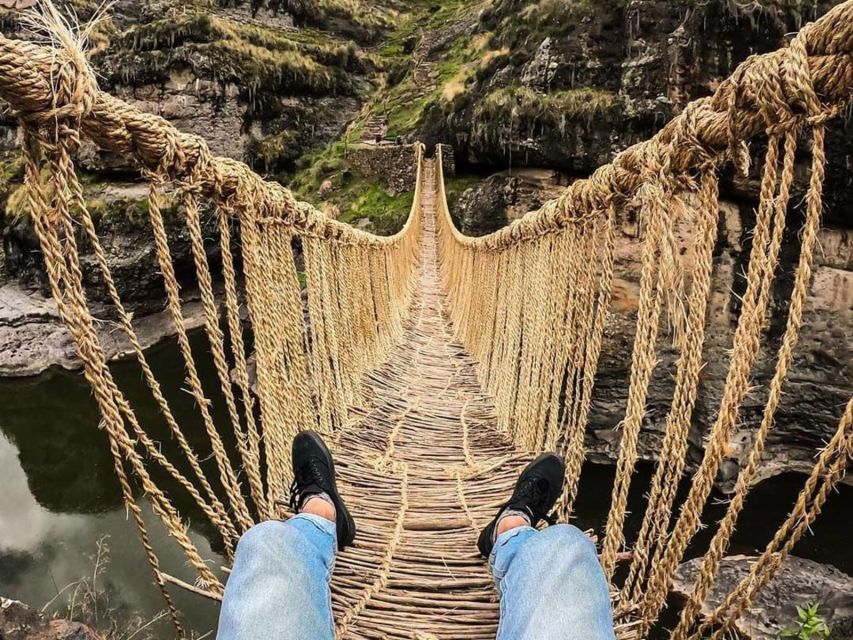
x=11, y=176
x=352, y=197
x=253, y=57
x=521, y=109
x=353, y=18
x=454, y=186
x=315, y=168
x=521, y=26
x=363, y=199
x=454, y=69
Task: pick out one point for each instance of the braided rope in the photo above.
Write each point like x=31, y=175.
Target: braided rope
x=529, y=303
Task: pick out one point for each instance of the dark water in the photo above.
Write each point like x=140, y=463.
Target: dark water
x=59, y=495
x=58, y=498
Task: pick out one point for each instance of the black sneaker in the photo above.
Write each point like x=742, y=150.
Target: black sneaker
x=535, y=493
x=313, y=473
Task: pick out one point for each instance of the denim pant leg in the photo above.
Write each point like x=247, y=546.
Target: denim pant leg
x=551, y=586
x=279, y=585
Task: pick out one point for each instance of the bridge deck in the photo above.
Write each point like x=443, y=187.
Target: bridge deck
x=424, y=469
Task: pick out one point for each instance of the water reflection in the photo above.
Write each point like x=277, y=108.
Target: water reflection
x=767, y=506
x=59, y=494
x=42, y=551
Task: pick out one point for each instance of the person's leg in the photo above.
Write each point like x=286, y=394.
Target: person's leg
x=551, y=585
x=279, y=584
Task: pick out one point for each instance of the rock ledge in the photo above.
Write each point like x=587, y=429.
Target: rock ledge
x=799, y=582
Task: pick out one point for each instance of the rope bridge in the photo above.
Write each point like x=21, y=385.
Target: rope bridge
x=435, y=362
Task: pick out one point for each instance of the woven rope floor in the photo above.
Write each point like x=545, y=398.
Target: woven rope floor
x=423, y=469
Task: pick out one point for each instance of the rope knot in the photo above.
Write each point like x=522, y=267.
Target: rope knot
x=73, y=94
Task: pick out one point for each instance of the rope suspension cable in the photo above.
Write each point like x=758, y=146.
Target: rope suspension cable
x=368, y=355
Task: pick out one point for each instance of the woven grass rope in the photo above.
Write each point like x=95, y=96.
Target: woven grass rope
x=435, y=362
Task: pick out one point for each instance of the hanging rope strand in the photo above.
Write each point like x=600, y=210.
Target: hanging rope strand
x=530, y=303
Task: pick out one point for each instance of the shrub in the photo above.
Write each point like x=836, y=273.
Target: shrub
x=809, y=625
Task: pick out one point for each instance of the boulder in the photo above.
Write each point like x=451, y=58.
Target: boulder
x=34, y=339
x=798, y=583
x=20, y=622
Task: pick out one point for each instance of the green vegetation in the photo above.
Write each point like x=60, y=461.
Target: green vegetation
x=408, y=93
x=522, y=103
x=808, y=626
x=405, y=97
x=256, y=58
x=271, y=149
x=130, y=210
x=323, y=179
x=359, y=20
x=520, y=109
x=106, y=204
x=521, y=25
x=366, y=199
x=453, y=187
x=10, y=175
x=314, y=168
x=92, y=601
x=407, y=102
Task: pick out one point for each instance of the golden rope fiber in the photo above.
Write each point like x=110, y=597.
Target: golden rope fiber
x=214, y=511
x=588, y=282
x=215, y=337
x=250, y=442
x=745, y=349
x=563, y=293
x=782, y=91
x=760, y=276
x=575, y=447
x=802, y=278
x=528, y=302
x=349, y=617
x=674, y=448
x=170, y=283
x=39, y=208
x=323, y=344
x=65, y=276
x=828, y=471
x=643, y=362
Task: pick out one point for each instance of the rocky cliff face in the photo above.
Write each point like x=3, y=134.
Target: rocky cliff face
x=569, y=83
x=259, y=83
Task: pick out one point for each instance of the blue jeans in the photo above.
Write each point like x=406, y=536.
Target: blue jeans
x=550, y=584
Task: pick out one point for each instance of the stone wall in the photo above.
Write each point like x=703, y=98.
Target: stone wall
x=390, y=164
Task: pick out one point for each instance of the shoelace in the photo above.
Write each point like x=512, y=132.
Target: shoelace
x=536, y=495
x=312, y=473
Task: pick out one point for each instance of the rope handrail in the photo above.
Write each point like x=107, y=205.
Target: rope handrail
x=529, y=304
x=806, y=83
x=26, y=72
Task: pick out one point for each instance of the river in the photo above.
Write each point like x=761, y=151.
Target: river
x=59, y=498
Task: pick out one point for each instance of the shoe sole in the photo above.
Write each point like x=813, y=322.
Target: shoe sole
x=340, y=508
